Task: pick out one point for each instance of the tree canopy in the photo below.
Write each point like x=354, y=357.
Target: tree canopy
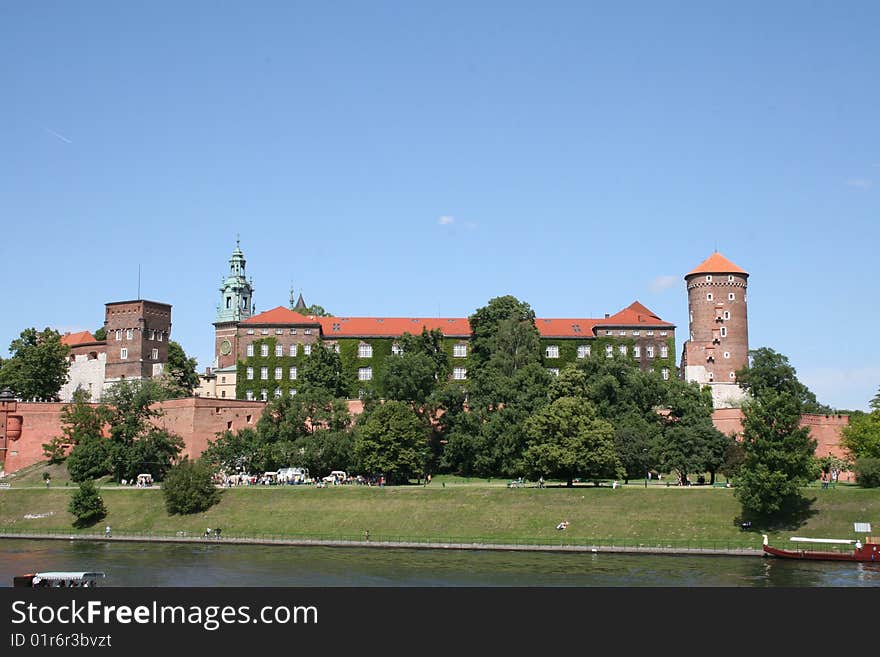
x=391, y=440
x=180, y=377
x=38, y=366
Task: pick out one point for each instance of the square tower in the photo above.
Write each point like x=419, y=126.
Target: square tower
x=137, y=339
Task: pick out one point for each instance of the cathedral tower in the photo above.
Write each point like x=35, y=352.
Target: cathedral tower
x=236, y=304
x=718, y=344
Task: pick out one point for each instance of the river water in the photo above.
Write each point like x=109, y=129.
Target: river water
x=188, y=565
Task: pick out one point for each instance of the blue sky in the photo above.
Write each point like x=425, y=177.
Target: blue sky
x=420, y=158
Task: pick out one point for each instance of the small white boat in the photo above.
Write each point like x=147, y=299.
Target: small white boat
x=59, y=579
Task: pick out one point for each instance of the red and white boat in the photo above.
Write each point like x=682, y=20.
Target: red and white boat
x=868, y=551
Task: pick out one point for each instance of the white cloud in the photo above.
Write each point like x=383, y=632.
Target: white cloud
x=445, y=220
x=862, y=183
x=663, y=283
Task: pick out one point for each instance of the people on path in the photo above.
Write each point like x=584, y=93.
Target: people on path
x=107, y=531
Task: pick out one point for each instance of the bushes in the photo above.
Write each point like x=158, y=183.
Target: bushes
x=868, y=472
x=189, y=487
x=87, y=505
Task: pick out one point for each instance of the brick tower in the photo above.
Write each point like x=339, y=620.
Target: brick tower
x=718, y=344
x=137, y=339
x=236, y=305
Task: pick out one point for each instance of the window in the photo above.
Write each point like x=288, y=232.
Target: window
x=459, y=373
x=637, y=333
x=250, y=331
x=249, y=395
x=152, y=334
x=552, y=351
x=664, y=351
x=277, y=393
x=723, y=331
x=293, y=350
x=663, y=334
x=307, y=349
x=609, y=351
x=279, y=350
x=459, y=351
x=665, y=373
x=264, y=331
x=279, y=331
x=308, y=331
x=397, y=351
x=264, y=373
x=222, y=379
x=292, y=392
x=263, y=394
x=278, y=374
x=365, y=373
x=649, y=332
x=622, y=333
x=583, y=351
x=730, y=279
x=264, y=350
x=118, y=334
x=365, y=351
x=223, y=393
x=637, y=351
x=250, y=373
x=709, y=278
x=731, y=297
x=727, y=354
x=622, y=349
x=154, y=354
x=160, y=336
x=726, y=314
x=609, y=332
x=293, y=331
x=649, y=351
x=293, y=373
x=733, y=375
x=709, y=297
x=129, y=334
x=336, y=347
x=250, y=350
x=554, y=371
x=123, y=353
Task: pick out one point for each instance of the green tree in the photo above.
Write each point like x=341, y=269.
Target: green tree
x=189, y=487
x=484, y=326
x=180, y=377
x=316, y=310
x=90, y=459
x=867, y=471
x=567, y=439
x=79, y=420
x=236, y=451
x=101, y=334
x=392, y=441
x=86, y=505
x=322, y=371
x=861, y=438
x=38, y=366
x=418, y=370
x=779, y=455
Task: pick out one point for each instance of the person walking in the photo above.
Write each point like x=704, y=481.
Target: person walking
x=107, y=531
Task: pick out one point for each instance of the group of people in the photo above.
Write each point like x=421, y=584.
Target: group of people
x=215, y=531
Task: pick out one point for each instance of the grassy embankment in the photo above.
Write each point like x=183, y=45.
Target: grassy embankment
x=475, y=510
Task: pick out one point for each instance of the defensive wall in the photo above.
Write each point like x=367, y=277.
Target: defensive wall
x=26, y=426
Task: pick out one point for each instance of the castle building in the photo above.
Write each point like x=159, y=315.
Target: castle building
x=261, y=355
x=136, y=347
x=718, y=342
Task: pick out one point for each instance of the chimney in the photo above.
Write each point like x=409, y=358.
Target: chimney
x=607, y=315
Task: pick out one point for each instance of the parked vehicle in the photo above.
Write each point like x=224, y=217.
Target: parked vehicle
x=336, y=477
x=293, y=475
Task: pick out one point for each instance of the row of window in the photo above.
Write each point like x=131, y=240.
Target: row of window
x=123, y=354
x=731, y=296
x=264, y=394
x=635, y=333
x=279, y=373
x=279, y=350
x=709, y=278
x=664, y=372
x=584, y=350
x=153, y=334
x=364, y=350
x=279, y=331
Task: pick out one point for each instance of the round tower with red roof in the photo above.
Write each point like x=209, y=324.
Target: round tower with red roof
x=718, y=343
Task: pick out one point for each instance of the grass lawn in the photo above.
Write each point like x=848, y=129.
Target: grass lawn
x=464, y=509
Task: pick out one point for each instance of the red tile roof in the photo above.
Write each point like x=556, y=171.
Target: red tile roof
x=347, y=327
x=73, y=339
x=717, y=264
x=281, y=315
x=634, y=314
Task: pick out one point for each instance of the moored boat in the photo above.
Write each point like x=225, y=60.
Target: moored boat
x=58, y=579
x=868, y=551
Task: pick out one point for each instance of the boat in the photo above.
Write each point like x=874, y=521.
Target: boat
x=58, y=579
x=868, y=551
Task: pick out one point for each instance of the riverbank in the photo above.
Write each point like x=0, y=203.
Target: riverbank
x=629, y=516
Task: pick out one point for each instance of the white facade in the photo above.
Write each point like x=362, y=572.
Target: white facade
x=86, y=373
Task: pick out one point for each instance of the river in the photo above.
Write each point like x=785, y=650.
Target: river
x=185, y=565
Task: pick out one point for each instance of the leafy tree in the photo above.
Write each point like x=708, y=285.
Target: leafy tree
x=38, y=366
x=779, y=454
x=567, y=439
x=86, y=505
x=391, y=440
x=180, y=377
x=322, y=371
x=101, y=334
x=236, y=451
x=415, y=373
x=867, y=471
x=734, y=457
x=771, y=371
x=634, y=440
x=325, y=451
x=189, y=487
x=484, y=326
x=89, y=459
x=316, y=310
x=153, y=452
x=861, y=438
x=79, y=420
